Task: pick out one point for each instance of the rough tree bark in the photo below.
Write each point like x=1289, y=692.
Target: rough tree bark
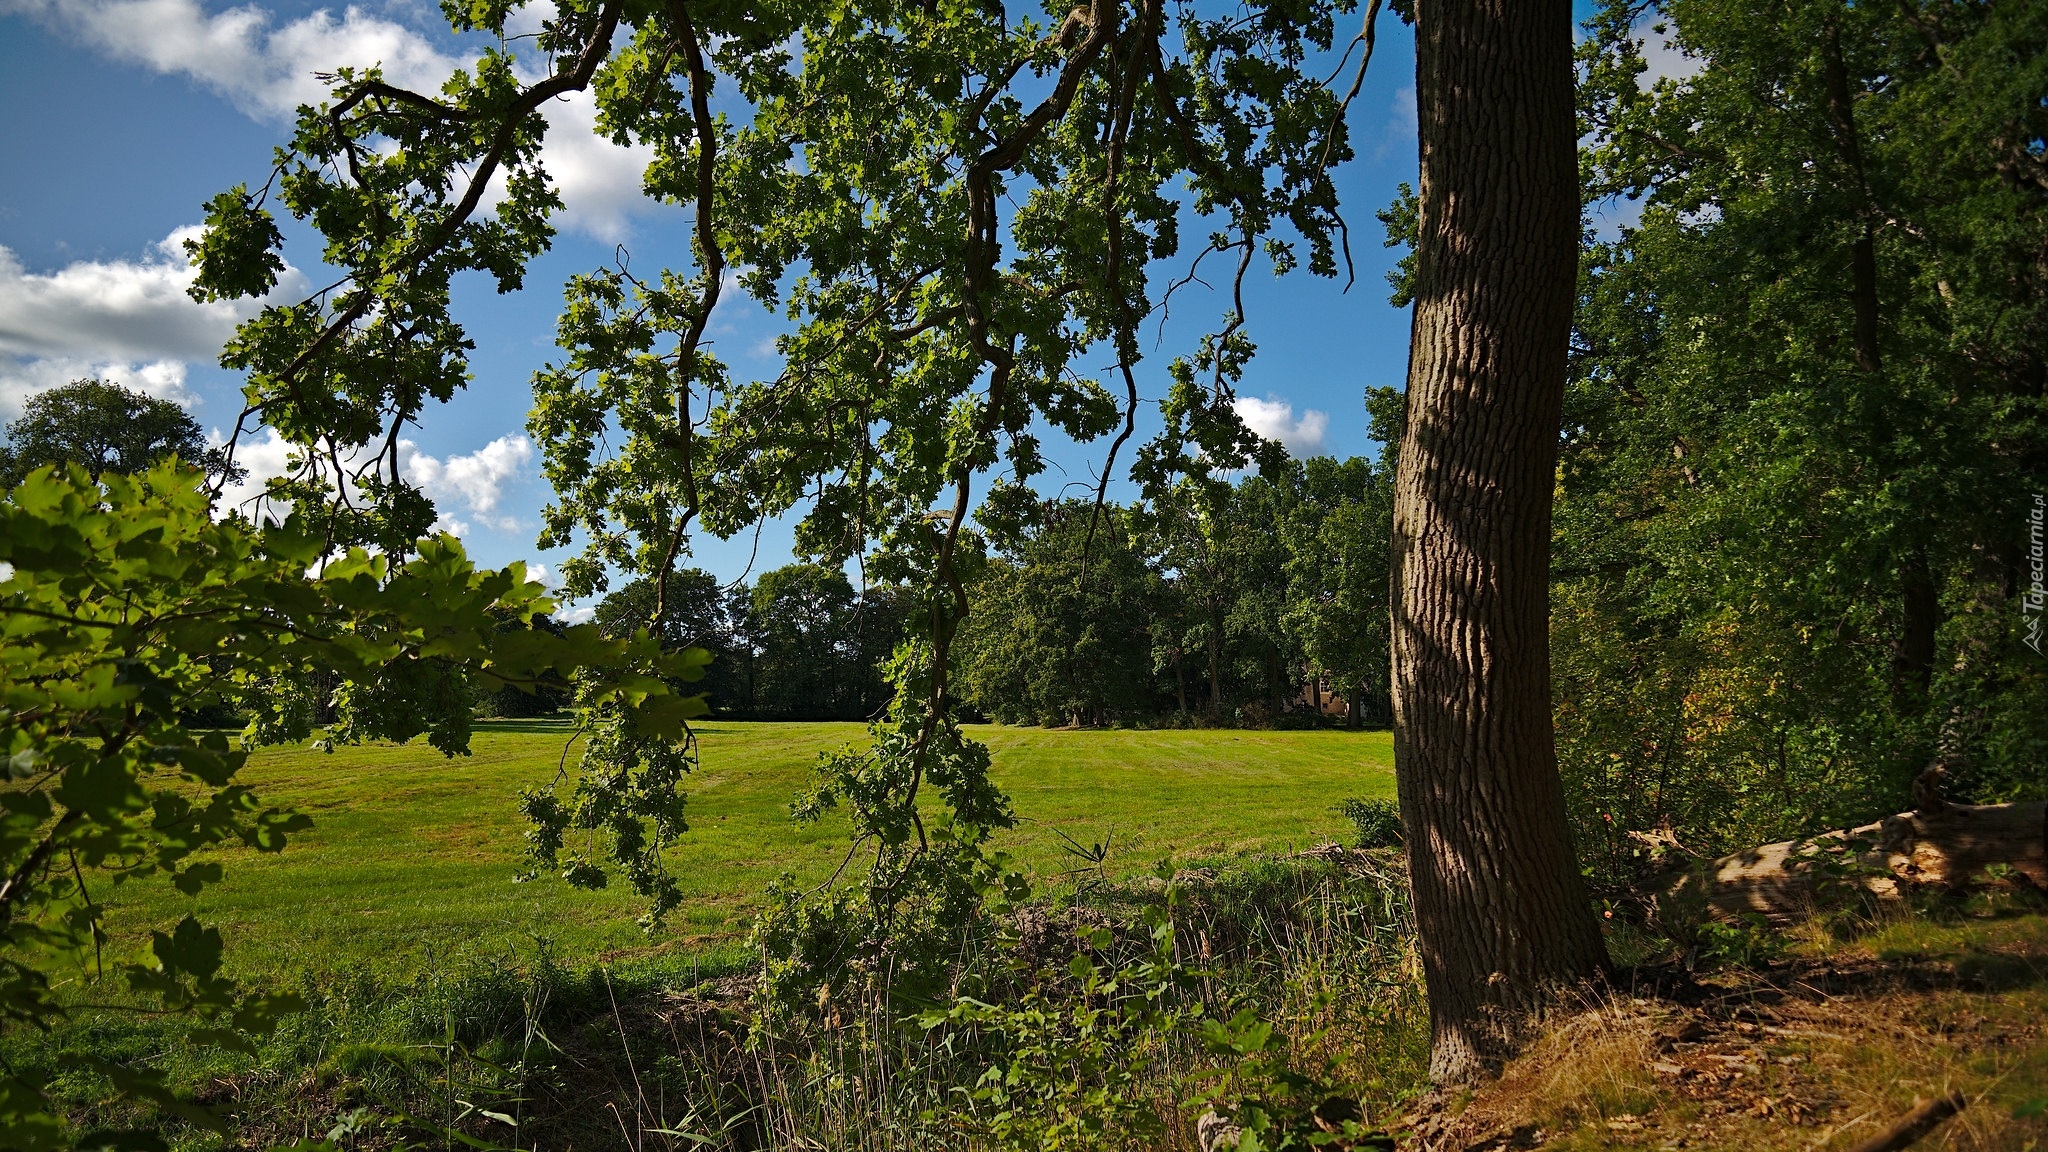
x=1502, y=914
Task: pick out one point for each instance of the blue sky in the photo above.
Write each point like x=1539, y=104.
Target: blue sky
x=118, y=118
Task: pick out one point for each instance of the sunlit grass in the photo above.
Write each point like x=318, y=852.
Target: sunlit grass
x=411, y=861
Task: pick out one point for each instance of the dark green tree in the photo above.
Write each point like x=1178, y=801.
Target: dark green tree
x=821, y=647
x=1807, y=420
x=1055, y=642
x=1265, y=658
x=103, y=428
x=701, y=613
x=1337, y=536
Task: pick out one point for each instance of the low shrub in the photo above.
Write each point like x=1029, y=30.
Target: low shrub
x=1377, y=822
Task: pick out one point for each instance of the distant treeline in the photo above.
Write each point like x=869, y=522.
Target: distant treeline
x=800, y=644
x=1258, y=602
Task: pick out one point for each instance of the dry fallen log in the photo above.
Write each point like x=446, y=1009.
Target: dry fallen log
x=1941, y=846
x=1215, y=1134
x=1913, y=1125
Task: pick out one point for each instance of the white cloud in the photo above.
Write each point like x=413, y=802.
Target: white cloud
x=1400, y=127
x=21, y=379
x=264, y=455
x=1665, y=59
x=267, y=70
x=477, y=480
x=1402, y=118
x=599, y=181
x=1273, y=418
x=473, y=484
x=128, y=321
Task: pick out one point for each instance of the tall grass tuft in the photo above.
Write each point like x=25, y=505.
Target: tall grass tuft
x=1313, y=951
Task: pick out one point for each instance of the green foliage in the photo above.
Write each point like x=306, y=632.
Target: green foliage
x=1806, y=422
x=1339, y=537
x=1403, y=222
x=104, y=428
x=1090, y=1053
x=236, y=256
x=126, y=605
x=1376, y=822
x=928, y=881
x=1749, y=943
x=1073, y=1048
x=820, y=649
x=1222, y=619
x=697, y=611
x=1055, y=642
x=949, y=205
x=1258, y=1092
x=525, y=701
x=1255, y=590
x=800, y=644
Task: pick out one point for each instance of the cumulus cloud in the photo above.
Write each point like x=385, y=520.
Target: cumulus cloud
x=1274, y=419
x=128, y=321
x=266, y=69
x=468, y=489
x=21, y=379
x=477, y=480
x=599, y=181
x=1664, y=58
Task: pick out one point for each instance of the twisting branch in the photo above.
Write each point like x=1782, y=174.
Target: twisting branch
x=981, y=252
x=1126, y=329
x=713, y=260
x=575, y=80
x=1365, y=36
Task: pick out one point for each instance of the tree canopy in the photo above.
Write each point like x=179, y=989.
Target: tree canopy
x=1806, y=421
x=103, y=428
x=949, y=204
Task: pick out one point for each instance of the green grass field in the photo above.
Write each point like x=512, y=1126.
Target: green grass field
x=409, y=868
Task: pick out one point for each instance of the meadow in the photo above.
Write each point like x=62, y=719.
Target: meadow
x=410, y=867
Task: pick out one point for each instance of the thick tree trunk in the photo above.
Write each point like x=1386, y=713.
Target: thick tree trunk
x=1503, y=917
x=1863, y=300
x=1913, y=652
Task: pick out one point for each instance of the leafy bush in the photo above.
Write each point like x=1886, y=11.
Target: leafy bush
x=1377, y=822
x=126, y=607
x=1748, y=944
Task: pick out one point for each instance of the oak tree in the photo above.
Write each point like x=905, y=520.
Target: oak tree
x=1502, y=915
